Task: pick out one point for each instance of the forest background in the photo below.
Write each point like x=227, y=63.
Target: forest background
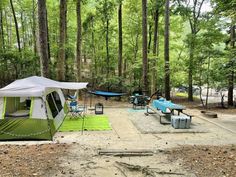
x=121, y=45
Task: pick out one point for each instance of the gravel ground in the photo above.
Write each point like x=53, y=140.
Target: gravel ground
x=209, y=154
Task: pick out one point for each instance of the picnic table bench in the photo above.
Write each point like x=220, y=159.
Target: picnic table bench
x=155, y=111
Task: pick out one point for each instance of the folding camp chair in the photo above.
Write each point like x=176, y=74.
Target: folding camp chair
x=76, y=110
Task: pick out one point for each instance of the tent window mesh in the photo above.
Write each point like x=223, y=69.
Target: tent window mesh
x=17, y=107
x=54, y=103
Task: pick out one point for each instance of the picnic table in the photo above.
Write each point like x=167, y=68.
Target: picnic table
x=165, y=109
x=167, y=106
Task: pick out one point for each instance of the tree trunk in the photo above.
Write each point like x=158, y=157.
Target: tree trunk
x=62, y=40
x=145, y=59
x=120, y=41
x=7, y=30
x=34, y=27
x=150, y=37
x=43, y=40
x=67, y=70
x=93, y=48
x=23, y=30
x=155, y=50
x=2, y=44
x=208, y=75
x=190, y=70
x=16, y=26
x=79, y=40
x=107, y=49
x=231, y=75
x=166, y=55
x=48, y=41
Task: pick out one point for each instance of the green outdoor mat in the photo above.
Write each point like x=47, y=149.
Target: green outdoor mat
x=91, y=122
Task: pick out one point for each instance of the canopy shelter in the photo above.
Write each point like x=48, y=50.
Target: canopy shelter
x=106, y=95
x=33, y=108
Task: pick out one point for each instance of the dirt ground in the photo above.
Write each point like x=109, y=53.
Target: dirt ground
x=210, y=153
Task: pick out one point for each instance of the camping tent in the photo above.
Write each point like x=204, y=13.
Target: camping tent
x=33, y=108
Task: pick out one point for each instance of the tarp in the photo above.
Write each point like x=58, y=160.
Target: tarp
x=106, y=94
x=37, y=87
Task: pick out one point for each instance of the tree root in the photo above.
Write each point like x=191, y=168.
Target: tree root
x=148, y=172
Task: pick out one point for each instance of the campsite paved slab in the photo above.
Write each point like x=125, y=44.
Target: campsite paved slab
x=125, y=135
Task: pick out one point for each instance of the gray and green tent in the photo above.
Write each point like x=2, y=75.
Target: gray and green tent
x=33, y=108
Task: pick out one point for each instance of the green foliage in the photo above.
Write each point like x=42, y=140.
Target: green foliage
x=208, y=40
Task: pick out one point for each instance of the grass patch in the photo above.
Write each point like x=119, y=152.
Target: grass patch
x=185, y=95
x=91, y=123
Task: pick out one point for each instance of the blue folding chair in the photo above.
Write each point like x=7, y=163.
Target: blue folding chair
x=76, y=110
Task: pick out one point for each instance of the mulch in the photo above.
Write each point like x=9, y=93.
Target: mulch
x=207, y=161
x=31, y=160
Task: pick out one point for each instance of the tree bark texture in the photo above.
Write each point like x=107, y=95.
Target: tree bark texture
x=155, y=50
x=120, y=61
x=150, y=37
x=166, y=49
x=2, y=44
x=231, y=74
x=107, y=49
x=62, y=40
x=23, y=30
x=16, y=26
x=79, y=40
x=190, y=69
x=34, y=27
x=145, y=59
x=43, y=40
x=48, y=41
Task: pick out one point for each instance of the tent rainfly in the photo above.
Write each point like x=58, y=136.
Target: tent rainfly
x=33, y=108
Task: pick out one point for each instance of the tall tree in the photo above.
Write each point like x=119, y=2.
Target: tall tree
x=120, y=64
x=43, y=40
x=62, y=40
x=34, y=27
x=166, y=54
x=16, y=25
x=79, y=40
x=227, y=8
x=155, y=50
x=144, y=34
x=194, y=24
x=48, y=41
x=2, y=43
x=231, y=72
x=192, y=11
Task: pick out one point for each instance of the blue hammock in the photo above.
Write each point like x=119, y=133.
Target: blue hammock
x=106, y=94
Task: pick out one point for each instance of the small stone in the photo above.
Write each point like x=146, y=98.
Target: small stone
x=107, y=160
